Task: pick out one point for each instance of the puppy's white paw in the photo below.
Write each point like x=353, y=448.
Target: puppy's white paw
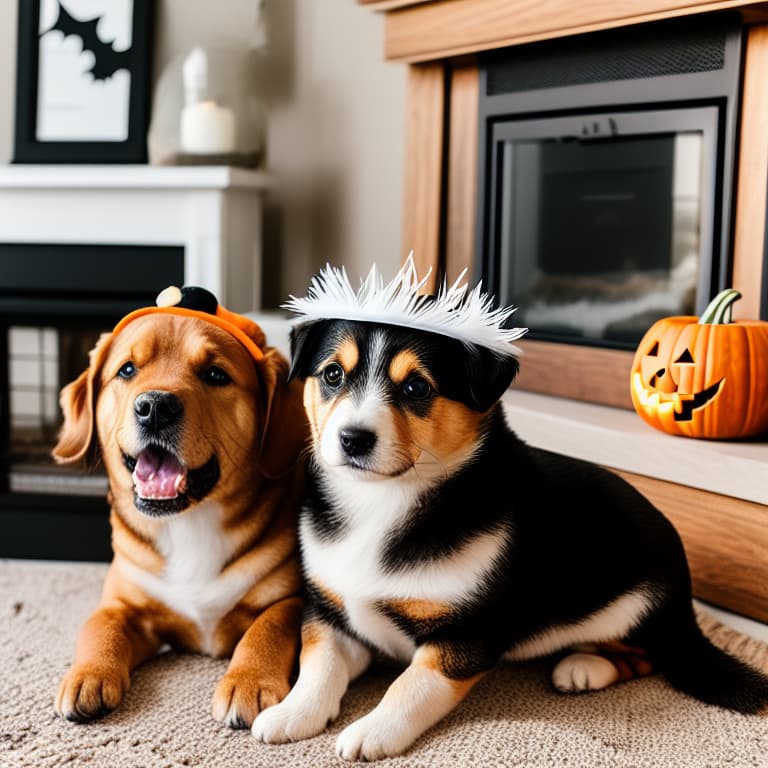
x=581, y=672
x=373, y=737
x=294, y=719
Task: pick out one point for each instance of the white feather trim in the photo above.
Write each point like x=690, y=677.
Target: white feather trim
x=455, y=311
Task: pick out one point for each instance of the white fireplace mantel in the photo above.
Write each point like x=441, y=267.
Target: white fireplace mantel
x=213, y=212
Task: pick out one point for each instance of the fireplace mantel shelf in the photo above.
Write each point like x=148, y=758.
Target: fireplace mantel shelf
x=130, y=177
x=428, y=30
x=213, y=212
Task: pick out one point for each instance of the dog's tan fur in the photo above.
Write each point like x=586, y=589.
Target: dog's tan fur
x=256, y=427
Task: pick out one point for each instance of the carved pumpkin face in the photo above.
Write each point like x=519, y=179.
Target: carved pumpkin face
x=703, y=379
x=669, y=376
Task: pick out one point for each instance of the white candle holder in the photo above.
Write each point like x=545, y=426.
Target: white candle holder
x=207, y=110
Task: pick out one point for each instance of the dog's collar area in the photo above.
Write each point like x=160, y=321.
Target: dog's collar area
x=162, y=486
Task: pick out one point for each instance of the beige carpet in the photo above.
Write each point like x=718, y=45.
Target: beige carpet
x=511, y=719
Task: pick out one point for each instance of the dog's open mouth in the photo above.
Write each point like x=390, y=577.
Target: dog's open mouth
x=158, y=475
x=162, y=485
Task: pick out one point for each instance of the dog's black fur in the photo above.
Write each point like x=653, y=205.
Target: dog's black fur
x=574, y=541
x=581, y=535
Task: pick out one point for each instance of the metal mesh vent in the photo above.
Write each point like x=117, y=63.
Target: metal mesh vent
x=653, y=50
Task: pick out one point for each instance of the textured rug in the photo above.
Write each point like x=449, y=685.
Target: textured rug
x=512, y=718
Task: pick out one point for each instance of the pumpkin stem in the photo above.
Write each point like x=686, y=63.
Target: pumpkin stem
x=720, y=310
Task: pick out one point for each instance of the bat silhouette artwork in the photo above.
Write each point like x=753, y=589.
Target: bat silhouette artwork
x=106, y=60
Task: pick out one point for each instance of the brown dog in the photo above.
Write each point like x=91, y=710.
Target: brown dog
x=201, y=437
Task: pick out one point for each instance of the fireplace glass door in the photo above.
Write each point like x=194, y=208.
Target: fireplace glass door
x=604, y=222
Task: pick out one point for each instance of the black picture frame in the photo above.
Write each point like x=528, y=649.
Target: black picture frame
x=137, y=59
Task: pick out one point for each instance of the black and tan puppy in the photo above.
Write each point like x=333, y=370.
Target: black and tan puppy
x=435, y=535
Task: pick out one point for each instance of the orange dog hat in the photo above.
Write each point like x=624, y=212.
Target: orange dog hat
x=191, y=301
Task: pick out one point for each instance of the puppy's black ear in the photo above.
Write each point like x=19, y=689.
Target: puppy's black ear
x=304, y=347
x=469, y=373
x=488, y=376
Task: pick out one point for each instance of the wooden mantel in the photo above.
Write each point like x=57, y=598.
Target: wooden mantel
x=725, y=532
x=426, y=30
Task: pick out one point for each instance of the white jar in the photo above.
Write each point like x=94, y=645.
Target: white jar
x=207, y=110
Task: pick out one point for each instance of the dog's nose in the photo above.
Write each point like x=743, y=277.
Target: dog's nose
x=157, y=410
x=356, y=441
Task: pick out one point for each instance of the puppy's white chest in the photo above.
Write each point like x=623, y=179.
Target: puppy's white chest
x=350, y=571
x=192, y=583
x=350, y=568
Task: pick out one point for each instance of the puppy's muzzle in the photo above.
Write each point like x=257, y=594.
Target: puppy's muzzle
x=157, y=411
x=356, y=442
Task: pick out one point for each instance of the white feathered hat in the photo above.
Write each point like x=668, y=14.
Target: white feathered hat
x=455, y=311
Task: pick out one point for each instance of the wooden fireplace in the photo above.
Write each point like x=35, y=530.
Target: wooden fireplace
x=724, y=526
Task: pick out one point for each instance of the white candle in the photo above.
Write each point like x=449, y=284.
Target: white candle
x=207, y=129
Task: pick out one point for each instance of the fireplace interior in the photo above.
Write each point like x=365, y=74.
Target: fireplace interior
x=606, y=177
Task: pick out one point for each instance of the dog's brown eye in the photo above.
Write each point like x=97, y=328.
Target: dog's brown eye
x=215, y=376
x=417, y=388
x=127, y=370
x=333, y=375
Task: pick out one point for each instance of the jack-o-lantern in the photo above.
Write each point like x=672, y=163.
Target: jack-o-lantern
x=704, y=377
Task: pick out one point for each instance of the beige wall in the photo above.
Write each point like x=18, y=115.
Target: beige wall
x=334, y=128
x=7, y=76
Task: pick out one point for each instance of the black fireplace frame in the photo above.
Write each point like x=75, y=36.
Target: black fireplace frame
x=67, y=287
x=594, y=78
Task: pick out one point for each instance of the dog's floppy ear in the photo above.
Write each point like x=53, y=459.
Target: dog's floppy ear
x=303, y=339
x=480, y=379
x=489, y=374
x=474, y=375
x=78, y=403
x=285, y=431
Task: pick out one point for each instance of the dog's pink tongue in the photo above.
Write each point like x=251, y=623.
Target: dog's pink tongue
x=158, y=475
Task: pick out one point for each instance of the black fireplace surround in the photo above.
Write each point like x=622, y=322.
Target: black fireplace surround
x=68, y=295
x=606, y=175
